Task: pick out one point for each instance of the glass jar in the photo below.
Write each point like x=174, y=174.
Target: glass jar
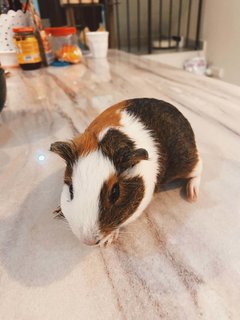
x=27, y=48
x=64, y=44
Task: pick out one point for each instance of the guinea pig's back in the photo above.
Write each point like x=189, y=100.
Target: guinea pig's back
x=172, y=133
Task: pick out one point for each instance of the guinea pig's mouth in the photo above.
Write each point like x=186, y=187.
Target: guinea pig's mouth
x=103, y=242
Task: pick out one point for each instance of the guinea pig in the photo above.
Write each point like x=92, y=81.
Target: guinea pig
x=125, y=155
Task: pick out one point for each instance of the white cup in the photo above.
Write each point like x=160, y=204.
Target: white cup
x=98, y=43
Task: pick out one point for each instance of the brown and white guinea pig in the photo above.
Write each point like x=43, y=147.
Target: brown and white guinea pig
x=119, y=162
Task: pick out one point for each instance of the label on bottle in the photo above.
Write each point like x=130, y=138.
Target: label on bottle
x=27, y=50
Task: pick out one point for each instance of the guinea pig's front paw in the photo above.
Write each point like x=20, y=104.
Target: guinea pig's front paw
x=108, y=240
x=58, y=213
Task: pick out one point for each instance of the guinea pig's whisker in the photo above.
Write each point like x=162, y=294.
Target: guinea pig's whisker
x=126, y=232
x=135, y=240
x=65, y=223
x=66, y=227
x=63, y=220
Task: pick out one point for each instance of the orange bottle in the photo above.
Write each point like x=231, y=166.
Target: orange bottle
x=27, y=48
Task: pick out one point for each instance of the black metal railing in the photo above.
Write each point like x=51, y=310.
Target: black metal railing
x=142, y=26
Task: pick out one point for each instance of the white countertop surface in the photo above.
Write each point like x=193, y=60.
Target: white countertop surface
x=178, y=261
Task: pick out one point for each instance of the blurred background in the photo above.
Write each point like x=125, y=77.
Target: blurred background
x=202, y=36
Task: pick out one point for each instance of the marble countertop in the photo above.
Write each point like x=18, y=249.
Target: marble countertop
x=178, y=261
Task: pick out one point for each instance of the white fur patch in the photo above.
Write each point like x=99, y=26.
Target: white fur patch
x=88, y=176
x=147, y=169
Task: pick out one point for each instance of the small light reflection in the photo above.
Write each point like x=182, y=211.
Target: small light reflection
x=41, y=158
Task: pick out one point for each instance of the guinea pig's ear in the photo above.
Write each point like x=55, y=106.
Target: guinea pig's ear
x=128, y=159
x=138, y=155
x=65, y=150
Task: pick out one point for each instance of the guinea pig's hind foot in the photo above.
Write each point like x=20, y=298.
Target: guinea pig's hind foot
x=193, y=184
x=106, y=242
x=192, y=189
x=58, y=213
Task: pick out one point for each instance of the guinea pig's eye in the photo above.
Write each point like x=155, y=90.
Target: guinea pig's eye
x=71, y=191
x=114, y=193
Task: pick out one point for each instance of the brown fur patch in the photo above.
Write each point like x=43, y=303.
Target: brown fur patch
x=68, y=175
x=85, y=143
x=109, y=117
x=88, y=141
x=173, y=135
x=117, y=147
x=106, y=191
x=131, y=194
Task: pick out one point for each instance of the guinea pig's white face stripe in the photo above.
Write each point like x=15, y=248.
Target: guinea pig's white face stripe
x=148, y=169
x=89, y=174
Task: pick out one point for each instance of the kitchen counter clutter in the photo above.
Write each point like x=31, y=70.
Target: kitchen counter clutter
x=179, y=260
